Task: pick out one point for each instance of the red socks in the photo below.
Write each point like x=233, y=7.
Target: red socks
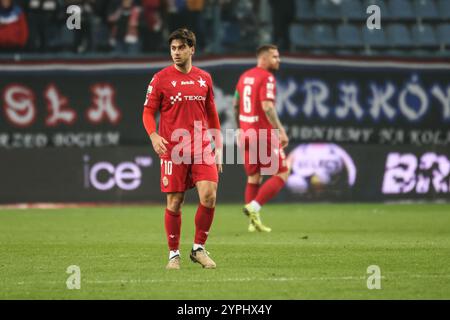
x=269, y=189
x=251, y=190
x=203, y=221
x=173, y=229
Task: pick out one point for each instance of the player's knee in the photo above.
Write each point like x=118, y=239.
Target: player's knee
x=174, y=204
x=254, y=179
x=208, y=198
x=284, y=175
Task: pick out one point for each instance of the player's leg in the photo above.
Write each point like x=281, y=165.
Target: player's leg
x=252, y=187
x=254, y=179
x=269, y=189
x=205, y=178
x=251, y=190
x=173, y=183
x=172, y=221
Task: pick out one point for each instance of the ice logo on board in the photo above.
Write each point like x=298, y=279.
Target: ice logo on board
x=320, y=168
x=104, y=175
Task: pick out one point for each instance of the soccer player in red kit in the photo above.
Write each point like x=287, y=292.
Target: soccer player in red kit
x=255, y=111
x=183, y=94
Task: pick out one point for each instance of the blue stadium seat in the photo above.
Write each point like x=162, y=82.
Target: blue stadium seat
x=419, y=53
x=349, y=36
x=444, y=9
x=396, y=53
x=353, y=10
x=65, y=38
x=399, y=36
x=324, y=36
x=374, y=38
x=425, y=9
x=385, y=14
x=300, y=37
x=327, y=10
x=304, y=10
x=443, y=34
x=231, y=33
x=424, y=36
x=401, y=10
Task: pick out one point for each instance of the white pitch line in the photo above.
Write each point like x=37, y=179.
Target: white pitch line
x=226, y=280
x=282, y=279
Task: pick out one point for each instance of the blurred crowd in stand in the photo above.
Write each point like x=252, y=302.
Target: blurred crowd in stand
x=141, y=26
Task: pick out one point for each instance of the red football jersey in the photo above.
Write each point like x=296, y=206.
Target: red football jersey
x=254, y=86
x=181, y=100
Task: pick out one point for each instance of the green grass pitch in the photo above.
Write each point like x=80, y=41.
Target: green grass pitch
x=315, y=251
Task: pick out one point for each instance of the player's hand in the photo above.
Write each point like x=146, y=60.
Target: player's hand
x=159, y=143
x=284, y=140
x=218, y=157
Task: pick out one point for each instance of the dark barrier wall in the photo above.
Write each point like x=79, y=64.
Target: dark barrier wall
x=73, y=132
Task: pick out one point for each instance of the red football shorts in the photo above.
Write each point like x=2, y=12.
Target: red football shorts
x=182, y=177
x=262, y=157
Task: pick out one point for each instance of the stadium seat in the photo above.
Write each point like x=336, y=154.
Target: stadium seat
x=65, y=38
x=300, y=37
x=401, y=10
x=424, y=36
x=397, y=53
x=444, y=9
x=327, y=10
x=324, y=36
x=231, y=33
x=304, y=11
x=443, y=34
x=319, y=52
x=353, y=10
x=425, y=9
x=349, y=36
x=399, y=36
x=385, y=14
x=346, y=52
x=374, y=38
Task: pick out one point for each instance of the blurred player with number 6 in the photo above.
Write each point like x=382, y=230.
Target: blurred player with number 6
x=255, y=112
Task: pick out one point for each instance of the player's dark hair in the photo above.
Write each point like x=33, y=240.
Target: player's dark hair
x=185, y=35
x=265, y=48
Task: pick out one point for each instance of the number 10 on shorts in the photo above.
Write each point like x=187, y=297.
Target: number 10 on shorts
x=167, y=166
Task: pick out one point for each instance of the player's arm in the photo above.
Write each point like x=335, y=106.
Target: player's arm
x=267, y=98
x=151, y=105
x=214, y=124
x=271, y=114
x=158, y=142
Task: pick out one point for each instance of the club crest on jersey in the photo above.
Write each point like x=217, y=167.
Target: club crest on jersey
x=174, y=83
x=176, y=98
x=165, y=181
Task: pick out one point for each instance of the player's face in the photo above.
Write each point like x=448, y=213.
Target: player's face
x=181, y=53
x=273, y=59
